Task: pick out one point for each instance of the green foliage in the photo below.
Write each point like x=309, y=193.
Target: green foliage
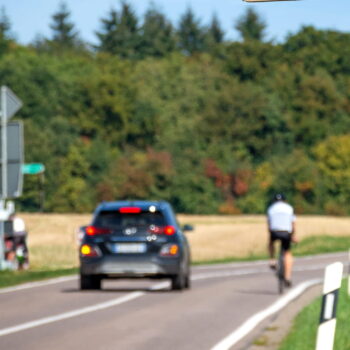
x=191, y=34
x=333, y=160
x=215, y=32
x=182, y=114
x=250, y=26
x=120, y=33
x=63, y=30
x=157, y=35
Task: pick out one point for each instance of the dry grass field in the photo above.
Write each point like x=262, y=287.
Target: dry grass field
x=53, y=239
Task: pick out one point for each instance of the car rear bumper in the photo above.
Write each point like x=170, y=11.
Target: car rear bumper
x=112, y=266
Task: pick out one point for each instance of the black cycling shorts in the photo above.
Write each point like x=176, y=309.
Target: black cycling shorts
x=284, y=236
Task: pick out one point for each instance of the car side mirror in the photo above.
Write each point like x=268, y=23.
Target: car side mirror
x=187, y=227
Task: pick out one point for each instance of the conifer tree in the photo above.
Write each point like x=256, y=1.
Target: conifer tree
x=5, y=25
x=251, y=26
x=215, y=32
x=5, y=31
x=120, y=32
x=157, y=34
x=191, y=34
x=64, y=33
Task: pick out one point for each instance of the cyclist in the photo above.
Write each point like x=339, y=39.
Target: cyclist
x=281, y=225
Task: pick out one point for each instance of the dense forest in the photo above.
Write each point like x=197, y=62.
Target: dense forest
x=157, y=110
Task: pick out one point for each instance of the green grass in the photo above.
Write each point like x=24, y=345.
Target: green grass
x=304, y=330
x=322, y=244
x=309, y=246
x=11, y=278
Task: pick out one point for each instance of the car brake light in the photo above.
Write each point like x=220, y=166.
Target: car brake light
x=169, y=230
x=87, y=250
x=130, y=210
x=93, y=231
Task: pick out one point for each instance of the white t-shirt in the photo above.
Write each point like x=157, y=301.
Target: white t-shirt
x=19, y=227
x=280, y=217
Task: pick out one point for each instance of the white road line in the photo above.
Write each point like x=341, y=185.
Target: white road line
x=38, y=284
x=209, y=275
x=253, y=321
x=264, y=262
x=78, y=312
x=132, y=296
x=195, y=268
x=70, y=314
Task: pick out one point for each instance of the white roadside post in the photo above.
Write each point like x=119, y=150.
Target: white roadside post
x=326, y=329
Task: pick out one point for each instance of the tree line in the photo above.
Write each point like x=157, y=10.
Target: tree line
x=183, y=114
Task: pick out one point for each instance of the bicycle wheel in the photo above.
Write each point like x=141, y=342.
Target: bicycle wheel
x=280, y=272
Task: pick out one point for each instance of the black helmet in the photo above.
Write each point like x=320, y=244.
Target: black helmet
x=279, y=197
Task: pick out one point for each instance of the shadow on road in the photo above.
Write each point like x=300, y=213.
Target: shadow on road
x=257, y=291
x=118, y=290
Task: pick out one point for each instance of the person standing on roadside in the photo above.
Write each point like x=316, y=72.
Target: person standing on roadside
x=20, y=241
x=281, y=226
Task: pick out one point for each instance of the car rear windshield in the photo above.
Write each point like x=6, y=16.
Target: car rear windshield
x=115, y=219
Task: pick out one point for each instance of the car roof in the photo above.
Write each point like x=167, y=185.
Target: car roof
x=144, y=205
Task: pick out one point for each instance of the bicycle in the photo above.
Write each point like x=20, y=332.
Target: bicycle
x=280, y=268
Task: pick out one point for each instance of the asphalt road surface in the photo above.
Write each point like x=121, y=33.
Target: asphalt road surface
x=224, y=303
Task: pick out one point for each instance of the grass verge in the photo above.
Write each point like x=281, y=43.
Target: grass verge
x=322, y=244
x=308, y=246
x=11, y=278
x=304, y=330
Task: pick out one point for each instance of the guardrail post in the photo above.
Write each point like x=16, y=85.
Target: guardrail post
x=326, y=329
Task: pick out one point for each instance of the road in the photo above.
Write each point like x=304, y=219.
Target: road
x=142, y=314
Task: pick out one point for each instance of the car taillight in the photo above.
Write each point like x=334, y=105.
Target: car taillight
x=90, y=251
x=130, y=210
x=169, y=230
x=169, y=250
x=93, y=231
x=159, y=230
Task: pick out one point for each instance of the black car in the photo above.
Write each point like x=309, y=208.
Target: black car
x=134, y=239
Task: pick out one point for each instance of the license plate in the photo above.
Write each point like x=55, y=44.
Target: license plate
x=129, y=248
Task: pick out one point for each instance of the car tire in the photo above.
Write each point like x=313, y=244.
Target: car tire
x=90, y=282
x=178, y=282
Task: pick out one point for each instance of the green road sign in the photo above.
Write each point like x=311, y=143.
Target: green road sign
x=33, y=168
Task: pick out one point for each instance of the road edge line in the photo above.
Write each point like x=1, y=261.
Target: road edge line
x=36, y=284
x=239, y=333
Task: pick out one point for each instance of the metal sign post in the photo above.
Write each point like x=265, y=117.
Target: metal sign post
x=3, y=143
x=2, y=246
x=10, y=104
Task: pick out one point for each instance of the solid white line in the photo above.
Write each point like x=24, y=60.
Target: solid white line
x=245, y=272
x=194, y=268
x=70, y=314
x=79, y=312
x=38, y=284
x=127, y=298
x=252, y=322
x=264, y=262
